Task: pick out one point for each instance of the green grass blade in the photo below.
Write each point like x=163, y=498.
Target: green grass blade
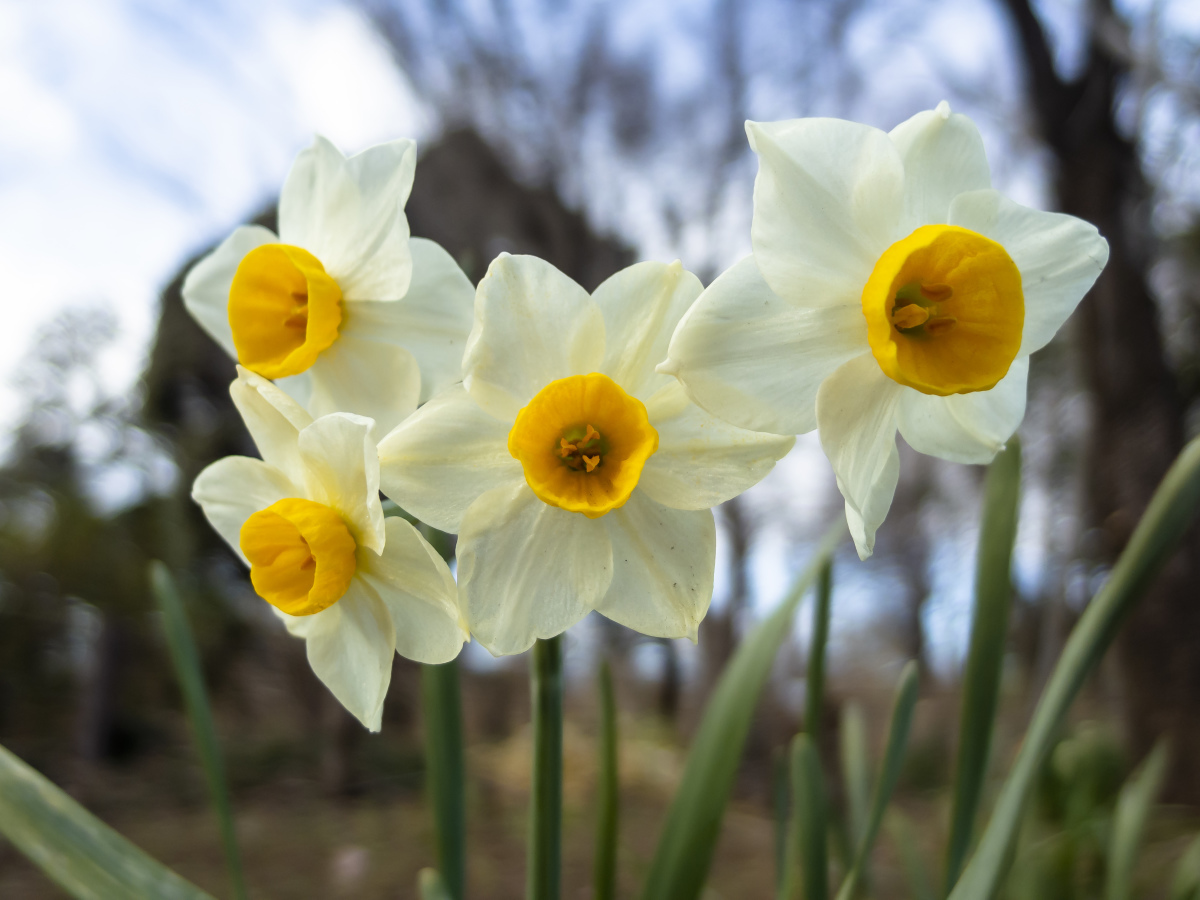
x=1171, y=510
x=608, y=788
x=985, y=659
x=780, y=806
x=431, y=886
x=889, y=772
x=685, y=846
x=900, y=829
x=810, y=820
x=1186, y=883
x=856, y=770
x=1129, y=823
x=445, y=771
x=191, y=682
x=544, y=871
x=85, y=857
x=814, y=688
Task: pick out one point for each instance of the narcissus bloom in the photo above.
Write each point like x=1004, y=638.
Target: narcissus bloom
x=348, y=311
x=307, y=520
x=889, y=288
x=576, y=477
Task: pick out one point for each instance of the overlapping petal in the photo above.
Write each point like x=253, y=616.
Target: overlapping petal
x=827, y=201
x=444, y=456
x=533, y=325
x=857, y=408
x=273, y=419
x=663, y=562
x=943, y=156
x=377, y=380
x=1059, y=256
x=206, y=287
x=234, y=488
x=754, y=359
x=527, y=570
x=701, y=460
x=341, y=469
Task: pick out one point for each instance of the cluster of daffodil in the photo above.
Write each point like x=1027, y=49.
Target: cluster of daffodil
x=576, y=443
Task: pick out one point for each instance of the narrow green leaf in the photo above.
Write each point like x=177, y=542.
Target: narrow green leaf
x=810, y=820
x=608, y=788
x=431, y=886
x=780, y=806
x=889, y=771
x=1129, y=822
x=543, y=877
x=900, y=829
x=814, y=688
x=191, y=682
x=685, y=847
x=76, y=850
x=985, y=659
x=1186, y=883
x=856, y=770
x=1171, y=510
x=445, y=771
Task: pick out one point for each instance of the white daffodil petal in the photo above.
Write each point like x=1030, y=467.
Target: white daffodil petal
x=444, y=456
x=431, y=322
x=234, y=488
x=943, y=156
x=827, y=202
x=701, y=460
x=641, y=306
x=349, y=213
x=206, y=287
x=377, y=380
x=416, y=586
x=856, y=416
x=1059, y=257
x=527, y=570
x=273, y=419
x=351, y=649
x=533, y=325
x=747, y=355
x=341, y=469
x=965, y=428
x=663, y=561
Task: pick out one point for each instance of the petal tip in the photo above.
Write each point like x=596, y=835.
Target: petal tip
x=943, y=109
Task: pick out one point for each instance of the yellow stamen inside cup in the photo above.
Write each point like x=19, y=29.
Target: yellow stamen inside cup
x=945, y=311
x=284, y=309
x=301, y=555
x=582, y=442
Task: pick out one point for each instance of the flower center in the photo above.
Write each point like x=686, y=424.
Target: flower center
x=284, y=309
x=301, y=555
x=945, y=311
x=582, y=442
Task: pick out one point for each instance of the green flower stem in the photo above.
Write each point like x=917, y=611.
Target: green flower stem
x=605, y=877
x=445, y=771
x=814, y=695
x=543, y=878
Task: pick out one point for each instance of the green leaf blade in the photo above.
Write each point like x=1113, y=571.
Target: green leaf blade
x=810, y=819
x=1129, y=823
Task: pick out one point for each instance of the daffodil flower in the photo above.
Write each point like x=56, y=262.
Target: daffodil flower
x=890, y=288
x=342, y=306
x=308, y=521
x=576, y=477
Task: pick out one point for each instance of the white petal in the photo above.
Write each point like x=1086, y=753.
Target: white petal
x=527, y=570
x=856, y=412
x=273, y=419
x=965, y=428
x=943, y=156
x=663, y=562
x=1059, y=257
x=206, y=288
x=416, y=586
x=533, y=325
x=827, y=203
x=641, y=306
x=701, y=460
x=747, y=355
x=349, y=213
x=350, y=649
x=341, y=469
x=442, y=457
x=377, y=380
x=431, y=322
x=234, y=488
